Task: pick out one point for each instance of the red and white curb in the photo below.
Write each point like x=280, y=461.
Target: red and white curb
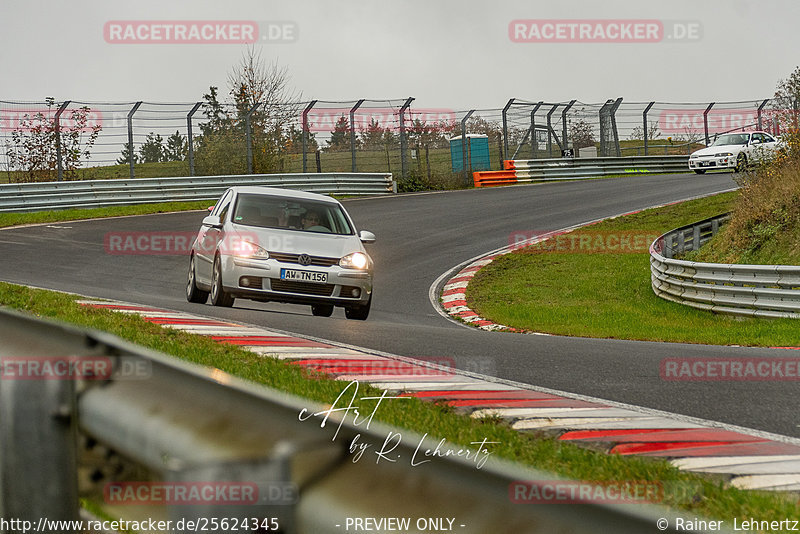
x=748, y=459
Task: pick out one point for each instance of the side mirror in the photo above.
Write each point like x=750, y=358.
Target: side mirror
x=212, y=221
x=366, y=237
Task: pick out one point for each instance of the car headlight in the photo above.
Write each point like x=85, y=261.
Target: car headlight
x=723, y=154
x=694, y=156
x=248, y=249
x=356, y=260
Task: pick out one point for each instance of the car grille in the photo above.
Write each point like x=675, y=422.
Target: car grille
x=320, y=261
x=305, y=288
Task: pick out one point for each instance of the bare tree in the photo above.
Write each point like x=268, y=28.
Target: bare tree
x=786, y=101
x=253, y=82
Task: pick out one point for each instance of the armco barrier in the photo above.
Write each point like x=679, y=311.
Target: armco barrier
x=39, y=196
x=491, y=178
x=745, y=290
x=535, y=170
x=185, y=424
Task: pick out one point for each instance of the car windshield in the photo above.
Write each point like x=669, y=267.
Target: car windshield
x=291, y=214
x=731, y=139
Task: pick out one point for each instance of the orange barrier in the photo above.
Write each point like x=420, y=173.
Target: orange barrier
x=491, y=178
x=508, y=164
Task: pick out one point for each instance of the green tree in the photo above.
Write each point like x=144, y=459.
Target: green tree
x=177, y=148
x=340, y=137
x=373, y=136
x=125, y=154
x=152, y=150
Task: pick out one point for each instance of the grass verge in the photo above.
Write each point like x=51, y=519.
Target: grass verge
x=16, y=219
x=589, y=290
x=698, y=495
x=765, y=219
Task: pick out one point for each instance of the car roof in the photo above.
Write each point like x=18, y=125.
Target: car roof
x=284, y=193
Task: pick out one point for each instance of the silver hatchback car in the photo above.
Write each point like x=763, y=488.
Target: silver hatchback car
x=269, y=244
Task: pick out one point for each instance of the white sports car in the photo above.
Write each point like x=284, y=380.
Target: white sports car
x=733, y=151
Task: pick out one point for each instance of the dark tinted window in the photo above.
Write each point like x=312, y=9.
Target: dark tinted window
x=291, y=214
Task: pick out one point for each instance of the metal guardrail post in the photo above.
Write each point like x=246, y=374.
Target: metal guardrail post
x=353, y=133
x=190, y=136
x=403, y=140
x=705, y=121
x=305, y=134
x=644, y=125
x=38, y=458
x=131, y=151
x=249, y=138
x=464, y=146
x=564, y=135
x=57, y=128
x=760, y=108
x=505, y=129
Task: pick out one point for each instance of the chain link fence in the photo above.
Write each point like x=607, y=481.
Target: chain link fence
x=424, y=147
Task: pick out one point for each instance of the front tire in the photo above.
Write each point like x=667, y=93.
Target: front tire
x=741, y=163
x=194, y=293
x=359, y=313
x=219, y=297
x=700, y=171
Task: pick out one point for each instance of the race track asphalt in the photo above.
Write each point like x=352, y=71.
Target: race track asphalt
x=421, y=236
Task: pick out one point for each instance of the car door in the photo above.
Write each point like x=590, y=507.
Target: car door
x=208, y=240
x=758, y=147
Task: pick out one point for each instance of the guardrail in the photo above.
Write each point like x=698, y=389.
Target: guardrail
x=561, y=168
x=536, y=170
x=745, y=290
x=39, y=196
x=185, y=424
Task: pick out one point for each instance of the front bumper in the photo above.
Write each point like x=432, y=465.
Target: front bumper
x=712, y=162
x=261, y=280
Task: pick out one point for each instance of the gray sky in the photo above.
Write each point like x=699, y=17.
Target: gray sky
x=447, y=53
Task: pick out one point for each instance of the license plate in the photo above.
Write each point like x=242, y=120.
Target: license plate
x=294, y=275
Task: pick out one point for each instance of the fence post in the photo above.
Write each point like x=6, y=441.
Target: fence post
x=190, y=136
x=305, y=134
x=760, y=108
x=705, y=120
x=57, y=127
x=505, y=131
x=614, y=109
x=464, y=145
x=644, y=125
x=534, y=140
x=353, y=133
x=564, y=136
x=403, y=109
x=550, y=130
x=249, y=138
x=131, y=152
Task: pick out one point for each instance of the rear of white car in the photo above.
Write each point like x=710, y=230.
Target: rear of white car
x=270, y=244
